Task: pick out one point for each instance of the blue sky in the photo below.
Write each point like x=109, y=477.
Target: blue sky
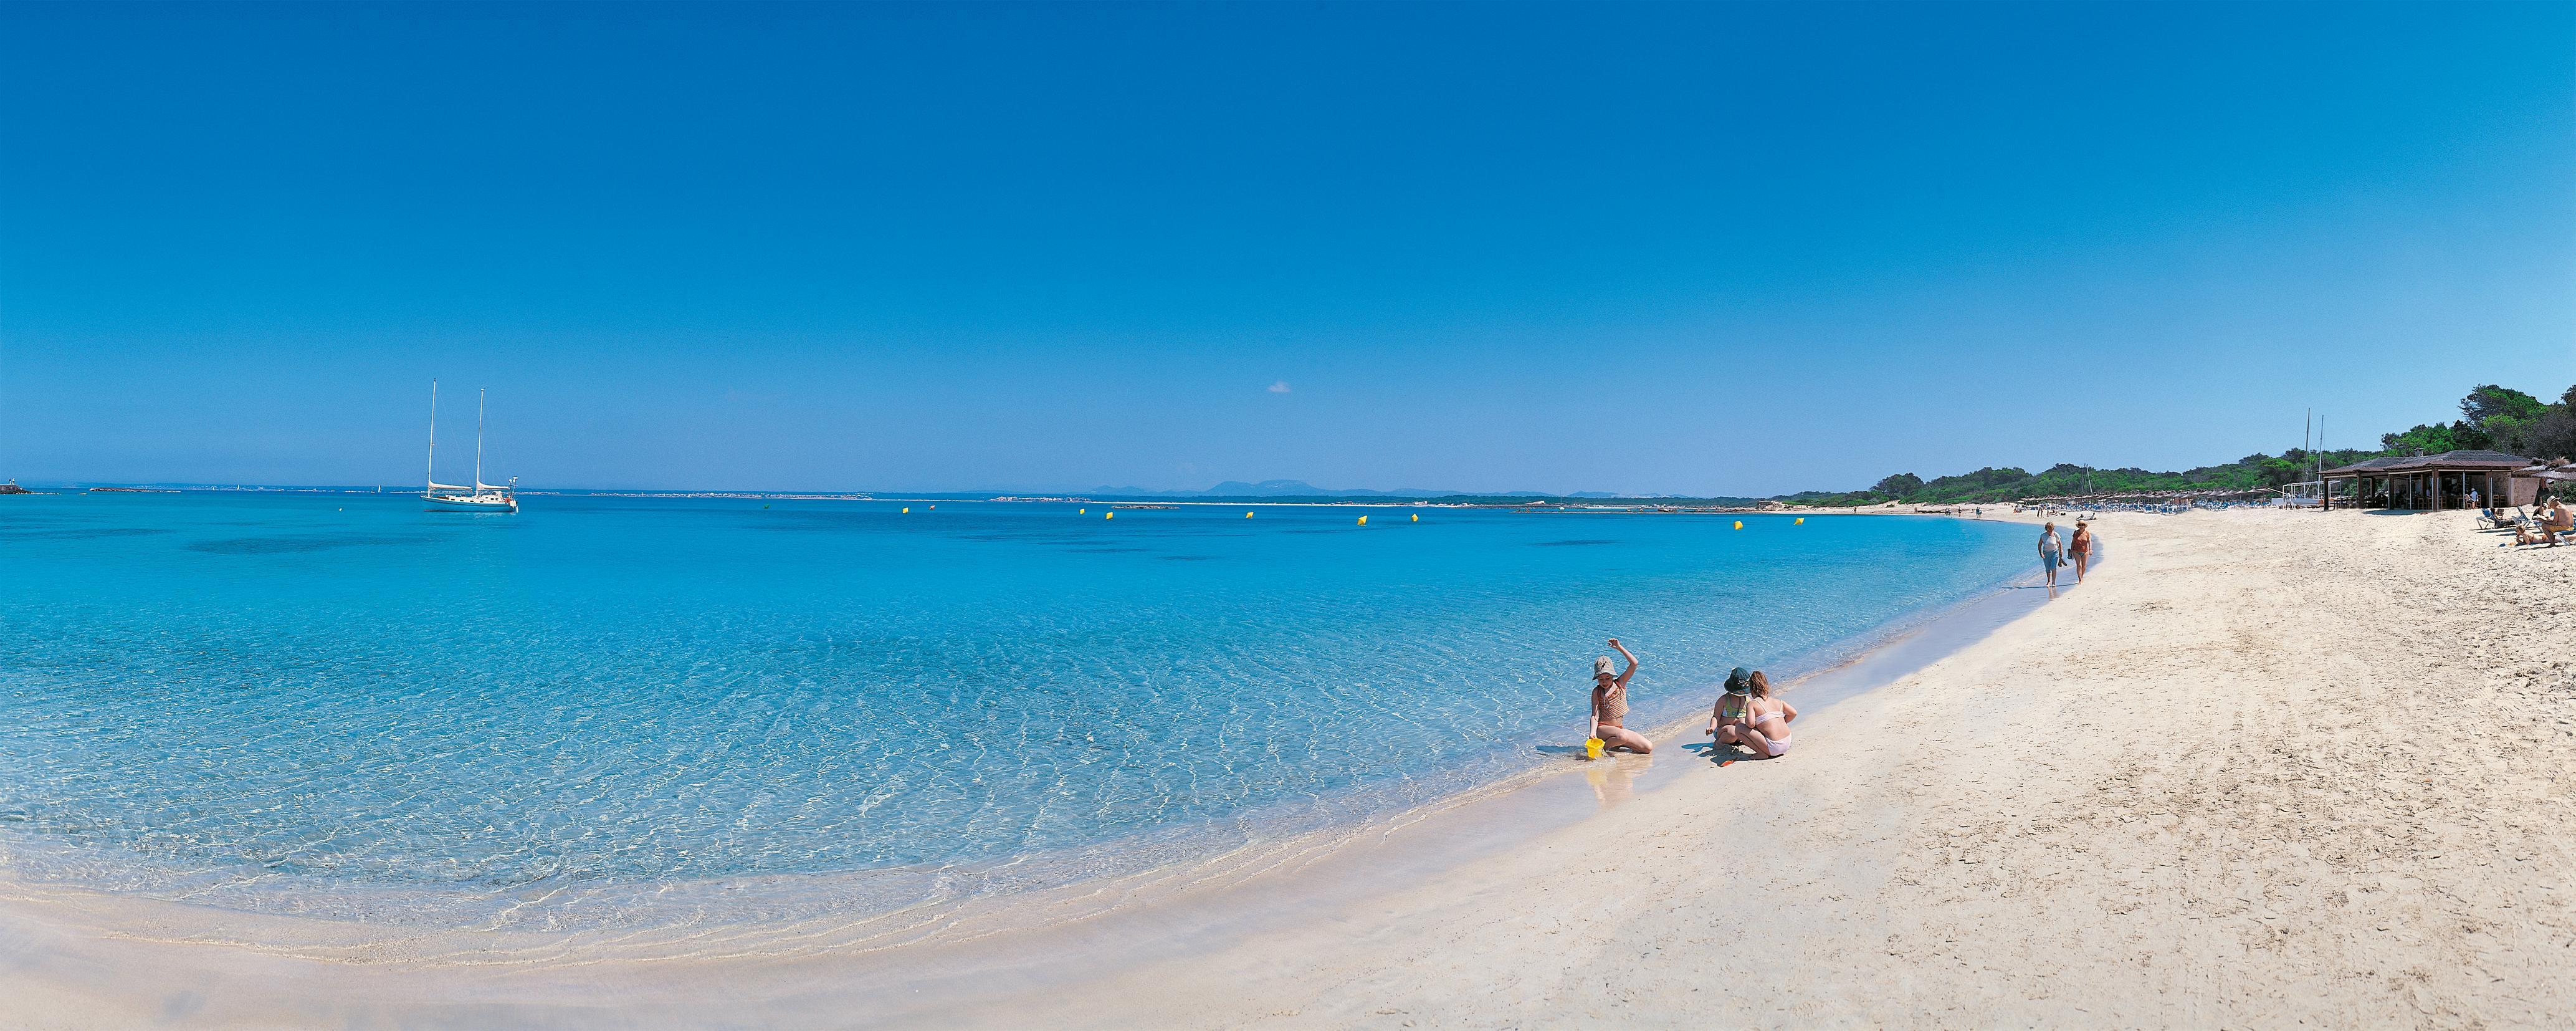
x=1733, y=249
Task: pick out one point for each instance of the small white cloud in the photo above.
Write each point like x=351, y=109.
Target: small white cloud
x=1280, y=387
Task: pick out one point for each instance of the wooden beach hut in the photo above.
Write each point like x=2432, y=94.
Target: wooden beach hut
x=2432, y=481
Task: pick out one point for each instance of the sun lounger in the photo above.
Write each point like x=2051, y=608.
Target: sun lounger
x=2507, y=520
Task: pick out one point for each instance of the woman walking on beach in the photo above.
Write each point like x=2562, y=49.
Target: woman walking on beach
x=2081, y=547
x=2051, y=552
x=1756, y=721
x=1610, y=704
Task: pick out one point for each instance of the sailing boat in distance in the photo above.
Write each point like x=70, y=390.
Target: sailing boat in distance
x=482, y=497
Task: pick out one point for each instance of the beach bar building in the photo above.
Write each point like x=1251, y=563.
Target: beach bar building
x=2433, y=481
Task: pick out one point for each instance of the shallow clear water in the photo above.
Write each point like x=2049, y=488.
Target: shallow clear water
x=309, y=690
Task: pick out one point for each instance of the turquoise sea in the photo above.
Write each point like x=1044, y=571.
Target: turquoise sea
x=266, y=699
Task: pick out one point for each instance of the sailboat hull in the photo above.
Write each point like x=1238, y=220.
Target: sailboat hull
x=438, y=503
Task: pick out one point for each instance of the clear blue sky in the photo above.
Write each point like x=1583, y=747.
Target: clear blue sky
x=1731, y=249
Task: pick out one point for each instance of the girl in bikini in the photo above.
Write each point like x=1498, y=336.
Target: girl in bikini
x=1728, y=713
x=1754, y=719
x=1610, y=704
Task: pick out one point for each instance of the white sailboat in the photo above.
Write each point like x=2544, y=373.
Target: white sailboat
x=482, y=497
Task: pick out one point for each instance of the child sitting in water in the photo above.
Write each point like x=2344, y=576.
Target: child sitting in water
x=1610, y=704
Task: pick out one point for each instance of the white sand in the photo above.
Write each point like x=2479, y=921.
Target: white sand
x=2265, y=768
x=2268, y=767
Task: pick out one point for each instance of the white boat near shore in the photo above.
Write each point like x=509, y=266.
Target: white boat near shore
x=481, y=497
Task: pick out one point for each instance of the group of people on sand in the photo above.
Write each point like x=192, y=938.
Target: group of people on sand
x=1746, y=715
x=2551, y=520
x=2056, y=553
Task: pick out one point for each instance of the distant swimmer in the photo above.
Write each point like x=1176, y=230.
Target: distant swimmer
x=1610, y=704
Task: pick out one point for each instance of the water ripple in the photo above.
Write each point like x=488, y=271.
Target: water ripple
x=601, y=699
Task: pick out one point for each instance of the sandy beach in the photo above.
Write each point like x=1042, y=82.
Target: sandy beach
x=2268, y=768
x=2264, y=768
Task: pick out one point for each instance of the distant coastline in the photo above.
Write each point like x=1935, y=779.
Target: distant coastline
x=2492, y=417
x=1590, y=502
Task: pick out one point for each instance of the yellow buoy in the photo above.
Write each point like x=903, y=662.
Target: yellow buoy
x=1739, y=524
x=1247, y=515
x=1363, y=520
x=1109, y=515
x=1082, y=511
x=1417, y=517
x=907, y=510
x=1800, y=521
x=1592, y=748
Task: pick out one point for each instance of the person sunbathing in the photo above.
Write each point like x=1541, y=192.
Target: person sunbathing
x=2554, y=520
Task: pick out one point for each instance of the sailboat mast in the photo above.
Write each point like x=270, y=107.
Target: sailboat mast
x=478, y=440
x=433, y=437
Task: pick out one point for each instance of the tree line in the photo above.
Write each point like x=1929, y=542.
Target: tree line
x=2492, y=418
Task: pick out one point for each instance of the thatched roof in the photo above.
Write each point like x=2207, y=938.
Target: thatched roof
x=2446, y=461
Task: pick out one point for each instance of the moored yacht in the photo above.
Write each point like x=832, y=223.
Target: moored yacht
x=449, y=497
